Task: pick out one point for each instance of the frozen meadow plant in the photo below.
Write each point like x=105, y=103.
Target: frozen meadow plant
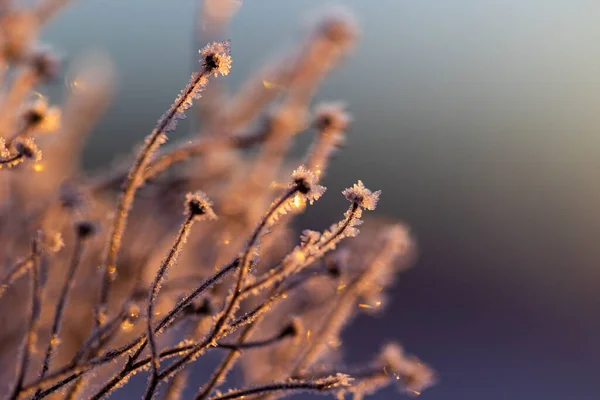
x=102, y=277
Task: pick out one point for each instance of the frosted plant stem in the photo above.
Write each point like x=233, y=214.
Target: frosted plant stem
x=182, y=153
x=299, y=385
x=29, y=344
x=234, y=354
x=167, y=321
x=141, y=364
x=134, y=181
x=60, y=307
x=278, y=273
x=226, y=364
x=168, y=262
x=135, y=178
x=244, y=267
x=335, y=319
x=15, y=272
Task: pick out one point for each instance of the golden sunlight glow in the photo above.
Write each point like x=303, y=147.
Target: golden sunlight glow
x=271, y=85
x=38, y=167
x=298, y=202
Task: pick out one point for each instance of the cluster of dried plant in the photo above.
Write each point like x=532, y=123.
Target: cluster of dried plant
x=107, y=275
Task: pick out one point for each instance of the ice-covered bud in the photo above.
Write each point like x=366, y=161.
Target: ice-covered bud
x=216, y=58
x=305, y=181
x=199, y=206
x=28, y=149
x=361, y=196
x=331, y=115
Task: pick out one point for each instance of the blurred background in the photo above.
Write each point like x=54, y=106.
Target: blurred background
x=480, y=122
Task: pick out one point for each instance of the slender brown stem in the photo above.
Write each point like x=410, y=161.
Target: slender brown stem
x=60, y=306
x=318, y=385
x=168, y=262
x=15, y=272
x=135, y=179
x=29, y=342
x=171, y=352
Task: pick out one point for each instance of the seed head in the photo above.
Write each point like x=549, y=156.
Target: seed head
x=42, y=118
x=85, y=229
x=27, y=148
x=338, y=25
x=306, y=183
x=216, y=58
x=199, y=206
x=331, y=115
x=361, y=196
x=45, y=63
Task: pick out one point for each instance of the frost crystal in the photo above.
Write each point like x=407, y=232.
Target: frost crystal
x=216, y=58
x=361, y=196
x=28, y=149
x=306, y=182
x=4, y=153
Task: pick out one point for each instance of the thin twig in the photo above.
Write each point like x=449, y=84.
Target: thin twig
x=60, y=306
x=29, y=342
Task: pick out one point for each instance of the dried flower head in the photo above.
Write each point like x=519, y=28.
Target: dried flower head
x=85, y=229
x=361, y=196
x=339, y=25
x=28, y=149
x=51, y=241
x=199, y=206
x=42, y=118
x=216, y=58
x=331, y=115
x=306, y=183
x=45, y=62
